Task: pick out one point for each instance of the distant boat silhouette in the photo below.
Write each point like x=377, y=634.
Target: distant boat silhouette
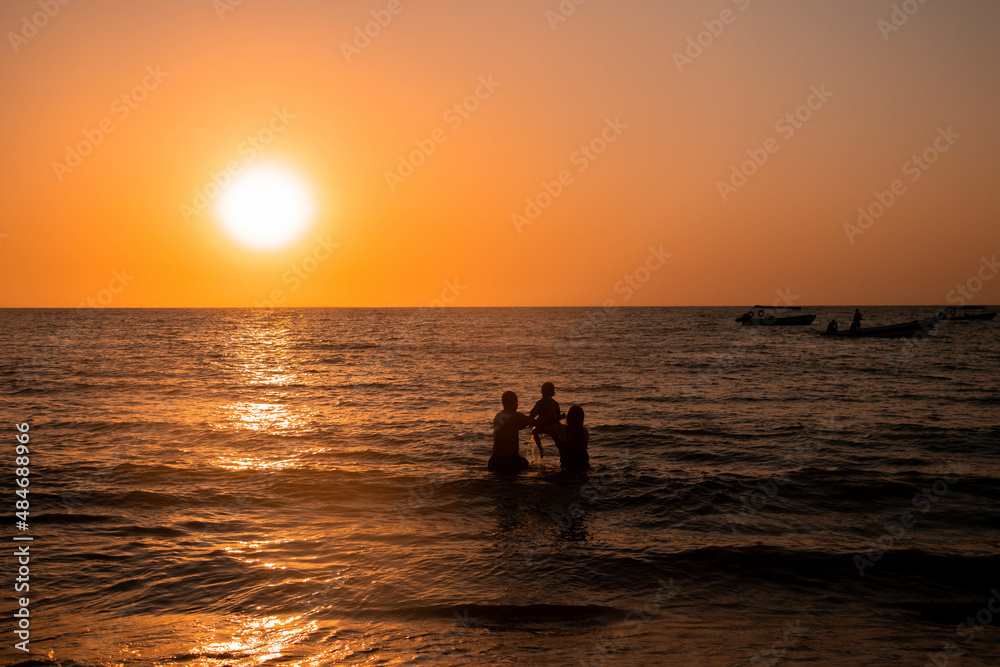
x=765, y=319
x=958, y=314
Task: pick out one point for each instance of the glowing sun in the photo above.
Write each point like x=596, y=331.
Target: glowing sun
x=266, y=208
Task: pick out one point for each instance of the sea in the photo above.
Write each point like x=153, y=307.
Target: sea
x=242, y=487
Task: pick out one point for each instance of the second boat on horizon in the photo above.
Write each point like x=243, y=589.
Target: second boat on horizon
x=767, y=316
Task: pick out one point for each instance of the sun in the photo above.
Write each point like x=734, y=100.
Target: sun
x=266, y=208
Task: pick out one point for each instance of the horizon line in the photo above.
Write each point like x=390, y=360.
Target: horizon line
x=450, y=307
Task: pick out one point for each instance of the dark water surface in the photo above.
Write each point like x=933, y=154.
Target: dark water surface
x=247, y=487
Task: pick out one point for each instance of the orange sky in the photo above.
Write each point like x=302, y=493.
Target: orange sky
x=677, y=122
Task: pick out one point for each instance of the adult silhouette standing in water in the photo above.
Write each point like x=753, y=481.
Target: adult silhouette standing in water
x=507, y=425
x=856, y=322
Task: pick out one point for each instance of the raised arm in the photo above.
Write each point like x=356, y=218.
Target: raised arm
x=526, y=421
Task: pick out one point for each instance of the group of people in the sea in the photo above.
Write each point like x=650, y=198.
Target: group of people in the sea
x=831, y=328
x=545, y=418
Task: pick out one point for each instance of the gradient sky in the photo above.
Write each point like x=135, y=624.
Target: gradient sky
x=347, y=121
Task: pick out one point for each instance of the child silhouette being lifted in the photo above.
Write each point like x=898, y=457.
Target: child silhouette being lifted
x=546, y=415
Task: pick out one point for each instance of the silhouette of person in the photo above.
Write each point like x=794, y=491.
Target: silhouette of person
x=831, y=328
x=856, y=322
x=573, y=440
x=546, y=414
x=507, y=425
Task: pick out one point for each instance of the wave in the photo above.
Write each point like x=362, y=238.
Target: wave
x=65, y=519
x=503, y=614
x=828, y=570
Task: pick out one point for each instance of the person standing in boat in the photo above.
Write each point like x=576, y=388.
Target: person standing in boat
x=856, y=322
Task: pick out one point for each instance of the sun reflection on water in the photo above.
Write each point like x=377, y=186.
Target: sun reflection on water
x=263, y=417
x=245, y=552
x=254, y=463
x=255, y=641
x=262, y=358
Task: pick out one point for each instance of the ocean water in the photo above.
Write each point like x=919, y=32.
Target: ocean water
x=251, y=487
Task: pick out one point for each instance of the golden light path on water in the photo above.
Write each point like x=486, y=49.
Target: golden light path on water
x=260, y=354
x=267, y=368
